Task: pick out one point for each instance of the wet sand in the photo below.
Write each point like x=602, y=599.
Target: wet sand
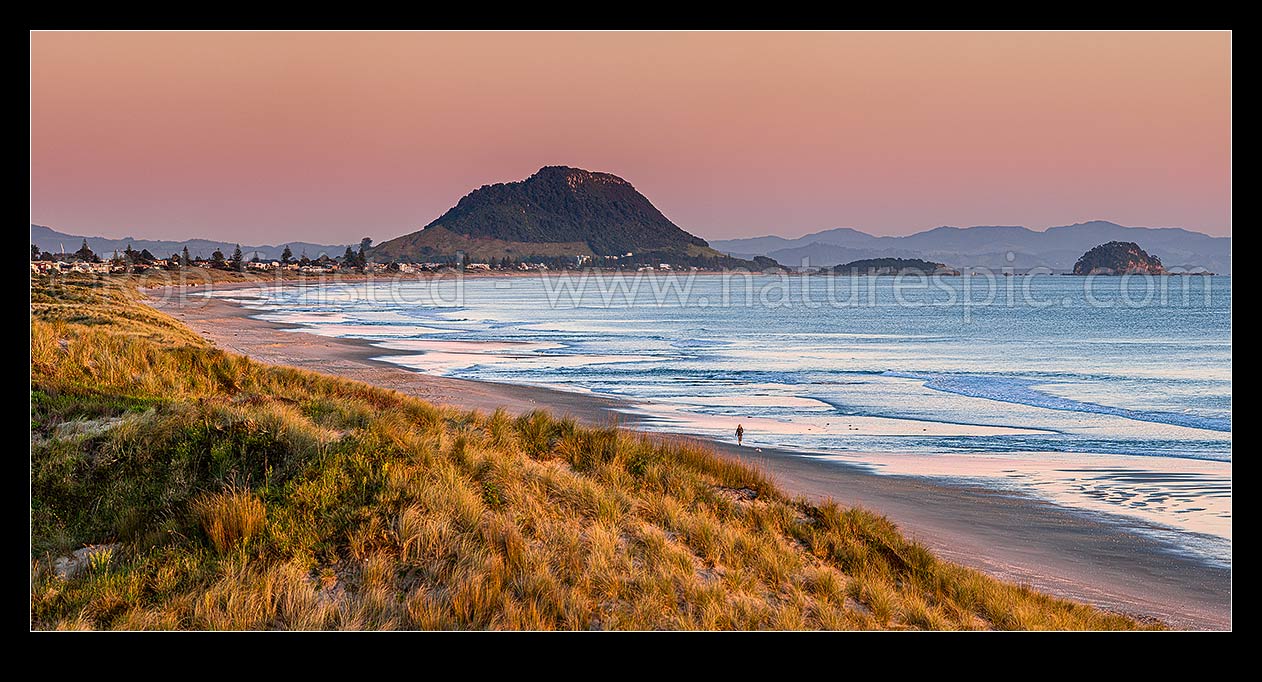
x=1065, y=552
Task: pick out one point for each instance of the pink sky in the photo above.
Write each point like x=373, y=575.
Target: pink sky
x=324, y=136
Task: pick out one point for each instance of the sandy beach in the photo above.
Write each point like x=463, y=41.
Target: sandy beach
x=1054, y=549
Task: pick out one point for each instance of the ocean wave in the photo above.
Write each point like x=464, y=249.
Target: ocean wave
x=1019, y=391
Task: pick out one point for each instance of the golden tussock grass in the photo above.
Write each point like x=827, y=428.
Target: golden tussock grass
x=229, y=518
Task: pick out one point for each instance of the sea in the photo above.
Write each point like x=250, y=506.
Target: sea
x=1106, y=395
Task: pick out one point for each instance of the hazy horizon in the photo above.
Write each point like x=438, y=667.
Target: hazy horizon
x=266, y=137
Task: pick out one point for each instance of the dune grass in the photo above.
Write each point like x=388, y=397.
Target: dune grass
x=236, y=495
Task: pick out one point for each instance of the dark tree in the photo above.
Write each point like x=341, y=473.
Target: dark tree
x=147, y=257
x=286, y=255
x=85, y=254
x=46, y=256
x=34, y=252
x=364, y=245
x=304, y=261
x=349, y=259
x=174, y=261
x=187, y=261
x=217, y=260
x=237, y=257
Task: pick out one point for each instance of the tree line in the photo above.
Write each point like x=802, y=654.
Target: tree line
x=237, y=261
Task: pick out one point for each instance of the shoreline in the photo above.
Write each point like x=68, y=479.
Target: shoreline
x=1054, y=549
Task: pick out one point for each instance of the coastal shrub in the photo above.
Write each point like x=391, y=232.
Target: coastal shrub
x=491, y=494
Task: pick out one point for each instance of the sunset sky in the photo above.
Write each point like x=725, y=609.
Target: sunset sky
x=270, y=137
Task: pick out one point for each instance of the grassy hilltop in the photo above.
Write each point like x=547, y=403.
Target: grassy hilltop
x=221, y=493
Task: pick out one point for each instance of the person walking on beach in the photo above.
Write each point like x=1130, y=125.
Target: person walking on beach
x=740, y=434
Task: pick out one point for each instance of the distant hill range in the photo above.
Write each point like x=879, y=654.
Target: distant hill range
x=48, y=239
x=1057, y=248
x=559, y=212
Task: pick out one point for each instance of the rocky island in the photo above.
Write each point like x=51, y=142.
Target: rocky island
x=1118, y=258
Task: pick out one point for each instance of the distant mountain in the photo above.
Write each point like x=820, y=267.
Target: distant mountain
x=48, y=239
x=1118, y=258
x=1057, y=248
x=557, y=212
